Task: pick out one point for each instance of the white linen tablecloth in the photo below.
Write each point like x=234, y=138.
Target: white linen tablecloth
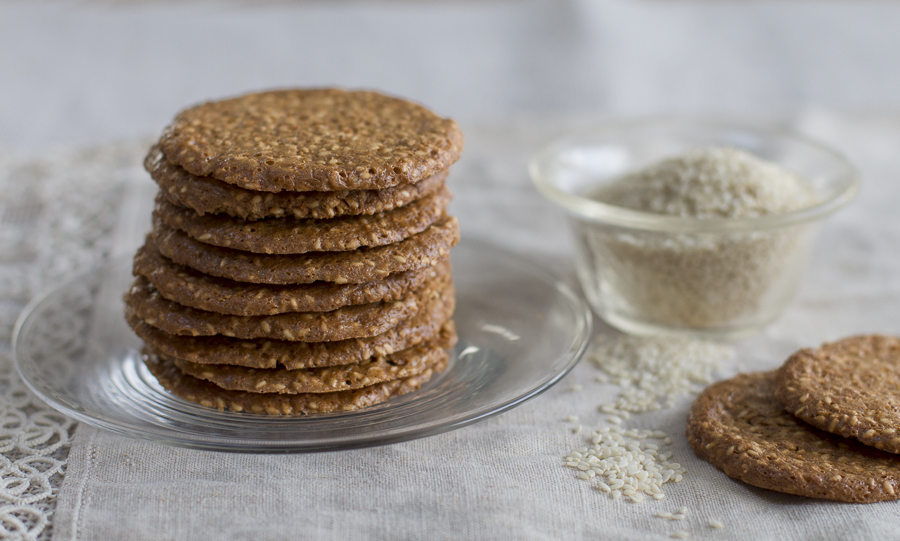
x=504, y=477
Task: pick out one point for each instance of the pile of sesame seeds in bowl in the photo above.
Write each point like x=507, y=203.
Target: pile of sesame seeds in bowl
x=691, y=228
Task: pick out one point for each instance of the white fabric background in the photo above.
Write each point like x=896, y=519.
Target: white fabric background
x=87, y=72
x=504, y=478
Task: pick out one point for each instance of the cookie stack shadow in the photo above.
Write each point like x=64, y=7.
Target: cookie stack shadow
x=299, y=256
x=824, y=425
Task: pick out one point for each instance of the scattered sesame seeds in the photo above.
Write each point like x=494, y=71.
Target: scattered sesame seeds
x=630, y=465
x=681, y=514
x=653, y=372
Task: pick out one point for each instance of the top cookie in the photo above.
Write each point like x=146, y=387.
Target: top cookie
x=312, y=140
x=848, y=388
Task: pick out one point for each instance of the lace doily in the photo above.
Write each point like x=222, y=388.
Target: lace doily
x=57, y=216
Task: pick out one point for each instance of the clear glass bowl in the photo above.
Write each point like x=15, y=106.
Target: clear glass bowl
x=647, y=273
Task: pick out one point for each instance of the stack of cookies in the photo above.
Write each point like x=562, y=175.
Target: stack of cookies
x=299, y=258
x=825, y=425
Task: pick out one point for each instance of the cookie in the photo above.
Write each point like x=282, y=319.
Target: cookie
x=207, y=195
x=292, y=236
x=266, y=353
x=208, y=395
x=402, y=364
x=191, y=288
x=739, y=427
x=263, y=353
x=318, y=140
x=341, y=324
x=848, y=388
x=358, y=266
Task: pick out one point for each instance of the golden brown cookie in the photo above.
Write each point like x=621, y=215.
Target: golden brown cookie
x=850, y=388
x=402, y=364
x=207, y=195
x=263, y=353
x=292, y=236
x=347, y=322
x=739, y=427
x=318, y=139
x=358, y=266
x=197, y=290
x=208, y=395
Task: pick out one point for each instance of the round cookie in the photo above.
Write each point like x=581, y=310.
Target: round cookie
x=402, y=364
x=848, y=388
x=292, y=236
x=347, y=322
x=312, y=139
x=739, y=427
x=207, y=195
x=191, y=288
x=263, y=353
x=208, y=395
x=358, y=266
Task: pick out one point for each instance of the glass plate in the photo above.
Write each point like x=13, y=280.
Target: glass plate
x=521, y=330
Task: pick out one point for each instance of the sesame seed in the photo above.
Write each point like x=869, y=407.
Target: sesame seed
x=715, y=524
x=629, y=466
x=654, y=370
x=678, y=280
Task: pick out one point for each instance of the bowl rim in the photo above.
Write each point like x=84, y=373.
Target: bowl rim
x=612, y=215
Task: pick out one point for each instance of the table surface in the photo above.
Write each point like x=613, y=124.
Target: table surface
x=110, y=75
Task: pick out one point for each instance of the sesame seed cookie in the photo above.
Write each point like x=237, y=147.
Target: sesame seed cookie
x=347, y=322
x=402, y=364
x=264, y=353
x=317, y=139
x=208, y=395
x=739, y=427
x=191, y=288
x=292, y=236
x=357, y=266
x=207, y=195
x=848, y=388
